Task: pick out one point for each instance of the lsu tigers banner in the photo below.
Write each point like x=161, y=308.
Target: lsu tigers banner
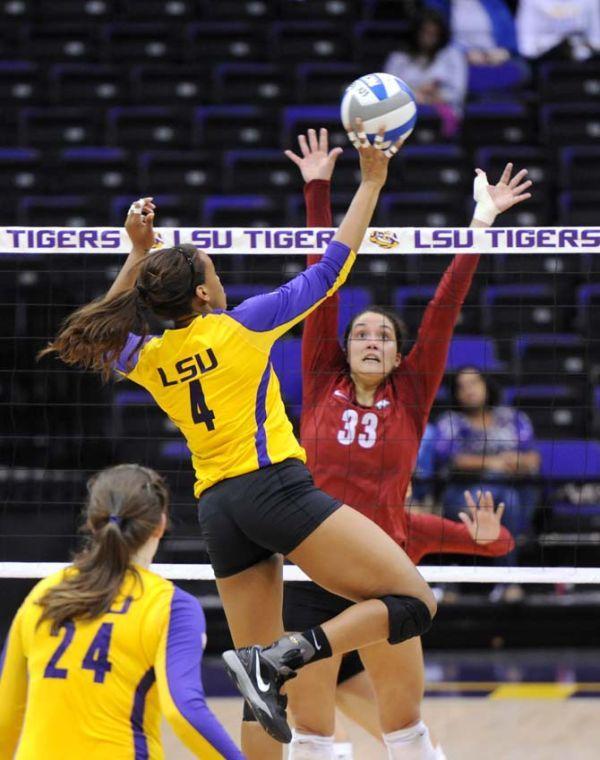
x=296, y=240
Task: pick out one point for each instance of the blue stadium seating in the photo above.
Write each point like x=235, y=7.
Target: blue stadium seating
x=569, y=459
x=558, y=411
x=474, y=351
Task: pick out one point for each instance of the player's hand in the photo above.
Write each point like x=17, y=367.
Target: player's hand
x=494, y=199
x=358, y=138
x=139, y=224
x=316, y=161
x=481, y=518
x=373, y=159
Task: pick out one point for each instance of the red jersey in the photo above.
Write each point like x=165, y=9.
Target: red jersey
x=365, y=456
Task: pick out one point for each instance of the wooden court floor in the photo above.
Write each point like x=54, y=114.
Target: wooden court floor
x=475, y=728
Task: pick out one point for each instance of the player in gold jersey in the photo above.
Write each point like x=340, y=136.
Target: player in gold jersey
x=212, y=374
x=99, y=651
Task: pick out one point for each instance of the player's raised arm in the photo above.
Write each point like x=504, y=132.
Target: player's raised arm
x=492, y=200
x=13, y=689
x=273, y=314
x=139, y=227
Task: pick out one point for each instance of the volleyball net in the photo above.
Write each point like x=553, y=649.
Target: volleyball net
x=530, y=324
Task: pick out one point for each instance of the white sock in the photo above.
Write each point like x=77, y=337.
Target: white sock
x=411, y=743
x=343, y=751
x=311, y=747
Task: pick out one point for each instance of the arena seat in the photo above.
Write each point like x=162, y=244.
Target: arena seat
x=111, y=168
x=435, y=209
x=545, y=357
x=77, y=83
x=245, y=170
x=45, y=127
x=160, y=9
x=150, y=126
x=142, y=41
x=242, y=126
x=343, y=10
x=569, y=80
x=475, y=351
x=63, y=41
x=167, y=84
x=20, y=82
x=572, y=123
x=242, y=211
x=297, y=119
x=580, y=167
x=160, y=171
x=569, y=459
x=506, y=123
x=234, y=41
x=70, y=10
x=226, y=10
x=21, y=171
x=507, y=76
x=430, y=166
x=324, y=82
x=519, y=307
x=306, y=40
x=557, y=411
x=249, y=83
x=62, y=211
x=579, y=207
x=390, y=10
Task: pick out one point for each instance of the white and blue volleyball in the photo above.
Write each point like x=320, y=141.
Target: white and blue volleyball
x=380, y=100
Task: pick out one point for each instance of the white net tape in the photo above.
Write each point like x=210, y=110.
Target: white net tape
x=431, y=573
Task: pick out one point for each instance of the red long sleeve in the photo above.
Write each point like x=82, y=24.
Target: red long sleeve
x=321, y=352
x=427, y=360
x=430, y=534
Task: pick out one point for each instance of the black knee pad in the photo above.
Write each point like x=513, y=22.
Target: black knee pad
x=248, y=715
x=409, y=617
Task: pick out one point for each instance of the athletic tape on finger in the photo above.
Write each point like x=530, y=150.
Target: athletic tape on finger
x=353, y=139
x=136, y=207
x=391, y=151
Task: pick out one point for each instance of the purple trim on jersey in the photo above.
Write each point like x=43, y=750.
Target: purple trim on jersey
x=183, y=665
x=3, y=654
x=271, y=310
x=130, y=352
x=140, y=741
x=260, y=412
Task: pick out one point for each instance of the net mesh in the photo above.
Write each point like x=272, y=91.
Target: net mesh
x=529, y=323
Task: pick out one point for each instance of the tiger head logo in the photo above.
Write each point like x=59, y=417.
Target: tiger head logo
x=384, y=239
x=158, y=241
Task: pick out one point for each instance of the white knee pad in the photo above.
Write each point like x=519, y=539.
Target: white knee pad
x=311, y=747
x=343, y=751
x=411, y=743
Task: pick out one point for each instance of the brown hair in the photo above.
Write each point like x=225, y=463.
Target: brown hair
x=124, y=508
x=400, y=329
x=94, y=335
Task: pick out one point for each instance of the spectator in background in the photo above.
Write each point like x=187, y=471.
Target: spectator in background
x=495, y=444
x=434, y=69
x=559, y=29
x=484, y=29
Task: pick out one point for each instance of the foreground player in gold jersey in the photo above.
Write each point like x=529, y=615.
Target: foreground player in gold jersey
x=99, y=651
x=212, y=375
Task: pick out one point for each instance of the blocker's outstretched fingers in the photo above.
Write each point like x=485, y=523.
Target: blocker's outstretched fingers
x=323, y=139
x=505, y=178
x=303, y=145
x=519, y=176
x=312, y=140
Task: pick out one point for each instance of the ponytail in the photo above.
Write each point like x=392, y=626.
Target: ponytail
x=124, y=509
x=94, y=335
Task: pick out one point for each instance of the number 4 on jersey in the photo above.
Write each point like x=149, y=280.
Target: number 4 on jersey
x=96, y=657
x=200, y=411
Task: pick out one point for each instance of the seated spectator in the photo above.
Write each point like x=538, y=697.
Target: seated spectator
x=563, y=29
x=484, y=29
x=493, y=444
x=434, y=69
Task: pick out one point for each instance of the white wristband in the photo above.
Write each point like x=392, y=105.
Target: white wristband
x=486, y=210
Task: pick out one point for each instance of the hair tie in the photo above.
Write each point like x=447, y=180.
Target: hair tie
x=116, y=519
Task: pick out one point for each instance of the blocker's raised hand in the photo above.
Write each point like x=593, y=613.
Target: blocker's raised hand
x=481, y=518
x=316, y=161
x=494, y=199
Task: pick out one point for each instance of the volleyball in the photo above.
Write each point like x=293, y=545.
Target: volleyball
x=380, y=100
